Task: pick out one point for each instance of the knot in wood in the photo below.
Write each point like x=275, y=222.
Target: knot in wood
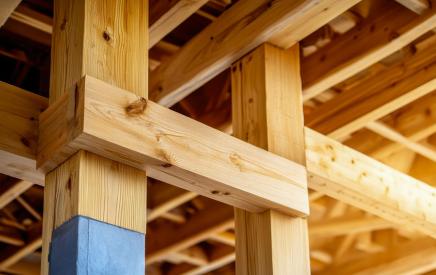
x=137, y=107
x=106, y=36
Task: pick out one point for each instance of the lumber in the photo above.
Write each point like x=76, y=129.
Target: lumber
x=344, y=226
x=267, y=111
x=107, y=40
x=358, y=180
x=21, y=253
x=202, y=227
x=360, y=193
x=170, y=147
x=393, y=135
x=11, y=237
x=164, y=240
x=29, y=208
x=416, y=122
x=219, y=257
x=353, y=183
x=19, y=110
x=342, y=186
x=33, y=18
x=418, y=6
x=377, y=96
x=6, y=9
x=178, y=12
x=194, y=255
x=371, y=43
x=412, y=257
x=237, y=31
x=25, y=266
x=165, y=198
x=14, y=191
x=225, y=238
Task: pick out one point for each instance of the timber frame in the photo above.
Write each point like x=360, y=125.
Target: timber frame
x=318, y=147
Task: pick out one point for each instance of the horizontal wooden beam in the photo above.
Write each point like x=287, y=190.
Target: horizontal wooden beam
x=171, y=147
x=19, y=112
x=334, y=169
x=358, y=180
x=344, y=226
x=237, y=31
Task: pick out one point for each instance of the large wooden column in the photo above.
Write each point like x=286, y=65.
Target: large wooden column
x=95, y=208
x=268, y=112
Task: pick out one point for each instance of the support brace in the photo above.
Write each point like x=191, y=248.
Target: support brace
x=119, y=125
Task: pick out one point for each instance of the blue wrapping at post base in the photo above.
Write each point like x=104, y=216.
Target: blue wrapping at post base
x=86, y=246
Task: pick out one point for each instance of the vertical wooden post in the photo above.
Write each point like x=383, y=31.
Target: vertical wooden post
x=267, y=111
x=95, y=208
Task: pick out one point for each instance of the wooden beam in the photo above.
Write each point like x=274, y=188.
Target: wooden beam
x=13, y=192
x=267, y=111
x=219, y=256
x=11, y=236
x=377, y=96
x=201, y=228
x=24, y=266
x=6, y=8
x=413, y=257
x=171, y=147
x=33, y=18
x=108, y=40
x=365, y=183
x=344, y=226
x=393, y=135
x=164, y=240
x=371, y=43
x=29, y=208
x=225, y=238
x=172, y=18
x=418, y=6
x=21, y=253
x=165, y=198
x=322, y=155
x=246, y=25
x=194, y=255
x=213, y=265
x=415, y=122
x=19, y=111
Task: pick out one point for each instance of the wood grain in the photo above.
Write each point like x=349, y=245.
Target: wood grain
x=108, y=40
x=105, y=39
x=267, y=111
x=237, y=31
x=174, y=149
x=19, y=112
x=365, y=183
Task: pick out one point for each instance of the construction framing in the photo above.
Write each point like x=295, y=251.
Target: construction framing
x=264, y=170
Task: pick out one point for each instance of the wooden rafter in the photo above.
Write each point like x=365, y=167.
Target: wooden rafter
x=213, y=51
